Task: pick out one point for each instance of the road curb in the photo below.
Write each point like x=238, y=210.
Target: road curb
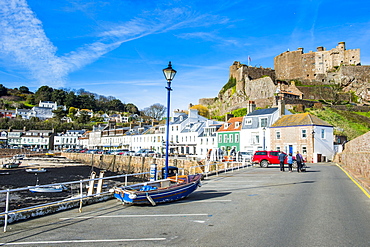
x=361, y=184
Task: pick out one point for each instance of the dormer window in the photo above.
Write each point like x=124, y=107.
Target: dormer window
x=226, y=125
x=237, y=124
x=248, y=121
x=263, y=122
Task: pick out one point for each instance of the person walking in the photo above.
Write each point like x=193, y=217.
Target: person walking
x=300, y=160
x=282, y=157
x=290, y=162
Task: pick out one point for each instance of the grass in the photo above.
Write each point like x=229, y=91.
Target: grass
x=347, y=123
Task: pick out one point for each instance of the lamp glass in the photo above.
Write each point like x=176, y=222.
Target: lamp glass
x=169, y=72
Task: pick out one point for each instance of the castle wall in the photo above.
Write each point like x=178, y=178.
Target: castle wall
x=313, y=65
x=242, y=72
x=260, y=88
x=288, y=65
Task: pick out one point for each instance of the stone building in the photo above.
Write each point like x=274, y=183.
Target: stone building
x=314, y=66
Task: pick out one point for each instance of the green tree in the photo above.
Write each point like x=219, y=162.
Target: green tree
x=31, y=99
x=116, y=105
x=83, y=117
x=60, y=113
x=132, y=108
x=71, y=100
x=3, y=90
x=43, y=94
x=59, y=96
x=24, y=89
x=86, y=101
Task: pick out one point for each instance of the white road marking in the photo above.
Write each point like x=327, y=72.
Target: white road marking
x=218, y=200
x=134, y=216
x=84, y=241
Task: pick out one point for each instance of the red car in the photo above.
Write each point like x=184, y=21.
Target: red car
x=266, y=158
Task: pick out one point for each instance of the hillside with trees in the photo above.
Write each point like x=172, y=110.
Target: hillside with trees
x=23, y=98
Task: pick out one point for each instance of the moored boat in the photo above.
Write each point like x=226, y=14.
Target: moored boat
x=48, y=189
x=160, y=191
x=36, y=170
x=12, y=164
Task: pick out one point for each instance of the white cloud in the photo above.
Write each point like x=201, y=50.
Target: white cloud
x=24, y=40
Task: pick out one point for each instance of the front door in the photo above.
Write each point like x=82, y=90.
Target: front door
x=290, y=149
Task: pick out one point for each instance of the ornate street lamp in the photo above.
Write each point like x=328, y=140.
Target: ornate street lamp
x=169, y=74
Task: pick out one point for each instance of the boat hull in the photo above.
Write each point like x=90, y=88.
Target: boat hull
x=11, y=165
x=37, y=170
x=160, y=195
x=48, y=189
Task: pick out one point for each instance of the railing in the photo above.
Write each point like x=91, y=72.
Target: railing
x=80, y=197
x=209, y=168
x=215, y=167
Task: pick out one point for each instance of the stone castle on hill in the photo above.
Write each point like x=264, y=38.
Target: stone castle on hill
x=297, y=76
x=314, y=66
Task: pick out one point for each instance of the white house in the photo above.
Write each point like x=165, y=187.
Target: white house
x=305, y=133
x=70, y=139
x=255, y=132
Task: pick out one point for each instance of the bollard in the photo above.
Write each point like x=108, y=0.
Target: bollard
x=153, y=172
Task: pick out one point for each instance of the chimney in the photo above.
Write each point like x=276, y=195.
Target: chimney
x=281, y=106
x=251, y=106
x=228, y=116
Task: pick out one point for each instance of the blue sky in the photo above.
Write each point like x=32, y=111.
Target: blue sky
x=118, y=48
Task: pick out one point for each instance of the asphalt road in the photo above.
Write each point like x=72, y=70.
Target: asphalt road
x=249, y=207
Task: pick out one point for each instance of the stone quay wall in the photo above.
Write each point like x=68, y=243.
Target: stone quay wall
x=356, y=159
x=132, y=164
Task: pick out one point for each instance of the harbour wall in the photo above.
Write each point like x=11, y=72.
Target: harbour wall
x=356, y=159
x=132, y=164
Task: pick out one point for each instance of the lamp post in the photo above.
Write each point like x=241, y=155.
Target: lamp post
x=313, y=144
x=169, y=74
x=264, y=138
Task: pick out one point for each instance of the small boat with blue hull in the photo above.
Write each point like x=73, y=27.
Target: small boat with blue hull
x=160, y=191
x=47, y=189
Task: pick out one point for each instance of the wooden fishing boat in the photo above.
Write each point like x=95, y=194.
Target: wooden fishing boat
x=160, y=191
x=48, y=189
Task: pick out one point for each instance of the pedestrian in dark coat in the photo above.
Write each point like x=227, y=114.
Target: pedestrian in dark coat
x=300, y=160
x=282, y=157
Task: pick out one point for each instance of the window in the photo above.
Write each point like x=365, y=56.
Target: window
x=231, y=138
x=237, y=125
x=278, y=135
x=248, y=121
x=263, y=122
x=304, y=150
x=304, y=134
x=237, y=138
x=322, y=134
x=278, y=148
x=219, y=138
x=225, y=138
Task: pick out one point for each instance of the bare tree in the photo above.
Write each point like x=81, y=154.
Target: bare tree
x=155, y=111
